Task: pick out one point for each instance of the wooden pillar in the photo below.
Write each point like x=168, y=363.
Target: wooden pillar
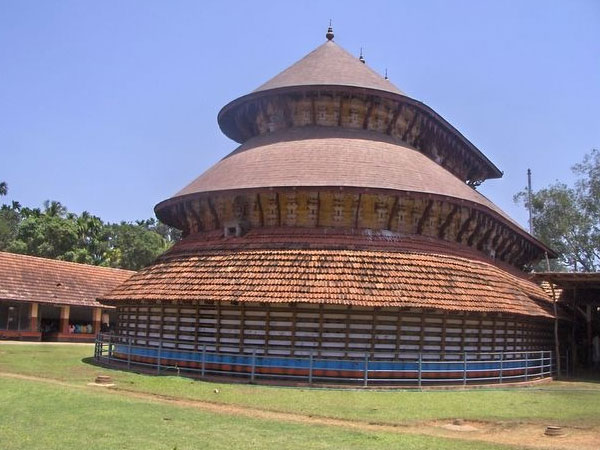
x=65, y=312
x=97, y=319
x=33, y=317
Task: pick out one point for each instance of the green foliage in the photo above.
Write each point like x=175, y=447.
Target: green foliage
x=9, y=223
x=54, y=232
x=45, y=235
x=568, y=218
x=132, y=246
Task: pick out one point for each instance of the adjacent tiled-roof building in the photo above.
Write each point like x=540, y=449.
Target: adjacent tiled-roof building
x=31, y=286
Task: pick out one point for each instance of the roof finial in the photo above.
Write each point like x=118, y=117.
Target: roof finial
x=386, y=77
x=361, y=58
x=329, y=34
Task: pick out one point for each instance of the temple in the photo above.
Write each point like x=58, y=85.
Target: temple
x=345, y=227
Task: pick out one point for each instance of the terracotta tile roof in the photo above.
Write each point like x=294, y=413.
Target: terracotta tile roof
x=196, y=271
x=330, y=64
x=33, y=279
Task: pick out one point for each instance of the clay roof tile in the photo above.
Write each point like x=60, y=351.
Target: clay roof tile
x=34, y=279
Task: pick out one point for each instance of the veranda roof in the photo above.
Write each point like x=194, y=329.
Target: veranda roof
x=41, y=280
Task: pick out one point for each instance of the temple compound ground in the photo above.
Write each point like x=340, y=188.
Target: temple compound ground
x=48, y=397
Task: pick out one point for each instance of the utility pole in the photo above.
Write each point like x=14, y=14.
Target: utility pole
x=529, y=200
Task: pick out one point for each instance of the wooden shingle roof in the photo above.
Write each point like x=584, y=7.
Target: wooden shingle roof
x=33, y=279
x=323, y=156
x=329, y=65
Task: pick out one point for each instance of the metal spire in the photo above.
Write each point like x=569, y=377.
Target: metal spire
x=361, y=58
x=329, y=34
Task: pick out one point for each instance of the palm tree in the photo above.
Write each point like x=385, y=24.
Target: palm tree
x=3, y=188
x=54, y=208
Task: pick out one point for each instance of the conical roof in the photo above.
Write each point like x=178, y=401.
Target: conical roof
x=330, y=64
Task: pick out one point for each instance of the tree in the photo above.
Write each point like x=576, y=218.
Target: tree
x=568, y=218
x=89, y=236
x=169, y=234
x=54, y=232
x=54, y=208
x=131, y=246
x=45, y=235
x=10, y=218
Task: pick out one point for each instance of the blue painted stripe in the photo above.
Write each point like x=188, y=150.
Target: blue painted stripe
x=323, y=364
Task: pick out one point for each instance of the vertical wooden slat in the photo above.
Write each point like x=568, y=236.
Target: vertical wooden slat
x=373, y=330
x=242, y=326
x=505, y=346
x=320, y=350
x=148, y=308
x=218, y=328
x=464, y=330
x=494, y=334
x=162, y=321
x=516, y=335
x=357, y=213
x=267, y=327
x=479, y=333
x=443, y=342
x=196, y=326
x=293, y=329
x=137, y=322
x=177, y=322
x=347, y=340
x=422, y=335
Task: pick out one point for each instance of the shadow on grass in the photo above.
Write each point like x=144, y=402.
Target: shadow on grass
x=117, y=367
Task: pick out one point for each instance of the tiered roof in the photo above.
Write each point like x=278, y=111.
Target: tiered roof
x=335, y=265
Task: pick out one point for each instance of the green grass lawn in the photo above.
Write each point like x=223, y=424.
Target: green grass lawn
x=560, y=402
x=35, y=415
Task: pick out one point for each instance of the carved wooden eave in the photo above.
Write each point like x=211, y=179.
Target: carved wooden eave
x=406, y=213
x=422, y=128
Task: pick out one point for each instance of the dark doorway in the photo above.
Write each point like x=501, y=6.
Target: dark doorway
x=49, y=317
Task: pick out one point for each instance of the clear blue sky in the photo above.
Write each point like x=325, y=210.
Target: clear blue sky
x=111, y=106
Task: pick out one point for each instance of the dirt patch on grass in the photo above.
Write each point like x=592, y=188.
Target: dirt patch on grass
x=520, y=434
